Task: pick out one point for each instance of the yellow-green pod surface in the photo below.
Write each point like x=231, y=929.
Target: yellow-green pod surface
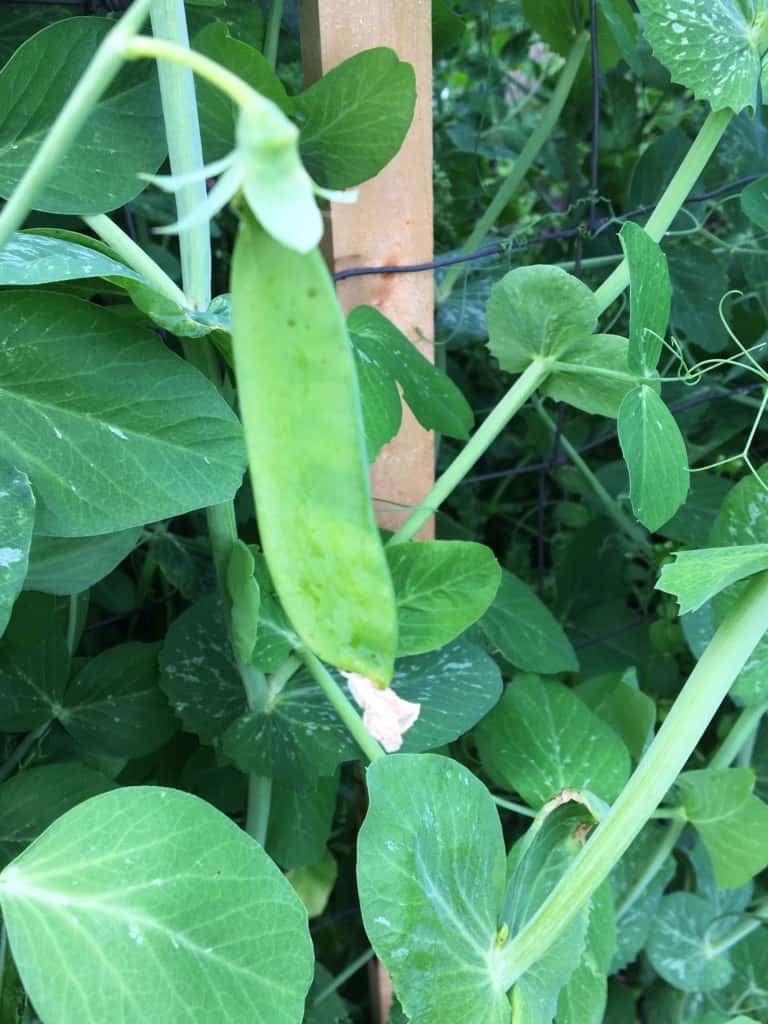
x=300, y=407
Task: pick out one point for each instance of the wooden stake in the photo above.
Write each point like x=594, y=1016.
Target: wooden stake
x=392, y=220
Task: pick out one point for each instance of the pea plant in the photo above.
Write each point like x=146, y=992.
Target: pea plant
x=250, y=741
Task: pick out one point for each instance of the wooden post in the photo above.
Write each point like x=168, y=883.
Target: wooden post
x=392, y=220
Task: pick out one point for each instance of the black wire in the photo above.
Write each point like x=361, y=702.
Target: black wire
x=500, y=248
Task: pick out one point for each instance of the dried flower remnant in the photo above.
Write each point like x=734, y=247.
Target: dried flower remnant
x=385, y=715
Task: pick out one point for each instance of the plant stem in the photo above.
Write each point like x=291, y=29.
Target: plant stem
x=162, y=49
x=510, y=805
x=522, y=165
x=741, y=931
x=72, y=623
x=136, y=258
x=185, y=151
x=475, y=448
x=343, y=977
x=272, y=38
x=22, y=749
x=743, y=728
x=742, y=731
x=259, y=803
x=675, y=194
x=106, y=63
x=186, y=156
x=613, y=509
x=698, y=701
x=343, y=706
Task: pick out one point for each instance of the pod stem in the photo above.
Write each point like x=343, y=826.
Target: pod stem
x=344, y=707
x=536, y=141
x=696, y=705
x=106, y=63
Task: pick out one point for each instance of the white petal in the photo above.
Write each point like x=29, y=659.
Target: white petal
x=386, y=716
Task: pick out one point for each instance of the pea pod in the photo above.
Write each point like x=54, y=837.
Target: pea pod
x=300, y=408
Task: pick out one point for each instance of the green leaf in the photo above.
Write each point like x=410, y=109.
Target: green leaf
x=525, y=632
x=554, y=21
x=447, y=28
x=314, y=883
x=55, y=254
x=114, y=705
x=743, y=520
x=354, y=119
x=297, y=737
x=656, y=457
x=699, y=281
x=709, y=46
x=595, y=377
x=69, y=565
x=17, y=519
x=385, y=358
x=162, y=884
x=624, y=707
x=754, y=202
x=29, y=259
x=692, y=524
x=245, y=595
x=197, y=672
x=122, y=137
x=636, y=902
x=32, y=800
x=538, y=311
x=650, y=298
x=455, y=687
x=300, y=822
x=217, y=112
x=32, y=683
x=731, y=820
x=139, y=434
x=582, y=1000
x=431, y=874
x=441, y=588
x=696, y=576
x=682, y=943
x=541, y=739
x=543, y=855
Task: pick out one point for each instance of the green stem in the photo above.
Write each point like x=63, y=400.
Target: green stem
x=530, y=151
x=343, y=977
x=162, y=49
x=675, y=194
x=72, y=610
x=186, y=156
x=22, y=749
x=613, y=509
x=742, y=730
x=697, y=703
x=492, y=426
x=272, y=38
x=510, y=805
x=106, y=63
x=259, y=803
x=279, y=678
x=344, y=708
x=185, y=151
x=740, y=932
x=136, y=258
